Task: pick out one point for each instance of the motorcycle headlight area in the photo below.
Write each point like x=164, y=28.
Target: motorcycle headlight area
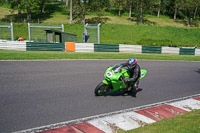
x=109, y=74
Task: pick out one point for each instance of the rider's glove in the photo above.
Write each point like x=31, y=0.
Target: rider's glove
x=121, y=78
x=126, y=80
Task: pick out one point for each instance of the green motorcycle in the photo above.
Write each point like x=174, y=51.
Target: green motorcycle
x=114, y=82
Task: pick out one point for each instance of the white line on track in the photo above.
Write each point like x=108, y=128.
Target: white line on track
x=89, y=60
x=57, y=125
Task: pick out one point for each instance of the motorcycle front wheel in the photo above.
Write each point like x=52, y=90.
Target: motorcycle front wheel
x=100, y=90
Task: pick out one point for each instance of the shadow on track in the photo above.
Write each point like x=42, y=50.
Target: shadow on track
x=122, y=93
x=198, y=71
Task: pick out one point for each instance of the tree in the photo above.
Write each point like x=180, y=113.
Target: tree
x=77, y=10
x=165, y=7
x=119, y=5
x=178, y=4
x=98, y=5
x=155, y=6
x=142, y=4
x=66, y=2
x=70, y=16
x=28, y=6
x=151, y=6
x=16, y=4
x=196, y=4
x=3, y=1
x=191, y=7
x=42, y=4
x=141, y=11
x=159, y=6
x=130, y=5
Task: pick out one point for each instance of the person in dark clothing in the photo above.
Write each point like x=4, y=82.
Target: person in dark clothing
x=134, y=69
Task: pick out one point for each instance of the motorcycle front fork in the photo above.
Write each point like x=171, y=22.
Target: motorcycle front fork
x=108, y=87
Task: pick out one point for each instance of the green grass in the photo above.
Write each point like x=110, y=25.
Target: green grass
x=188, y=123
x=31, y=55
x=165, y=21
x=155, y=31
x=149, y=35
x=128, y=34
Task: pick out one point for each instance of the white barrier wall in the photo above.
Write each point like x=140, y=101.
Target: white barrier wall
x=13, y=45
x=89, y=47
x=170, y=50
x=197, y=52
x=130, y=48
x=84, y=47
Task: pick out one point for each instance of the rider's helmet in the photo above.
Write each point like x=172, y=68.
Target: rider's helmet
x=132, y=63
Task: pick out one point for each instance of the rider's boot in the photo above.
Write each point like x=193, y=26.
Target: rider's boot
x=135, y=86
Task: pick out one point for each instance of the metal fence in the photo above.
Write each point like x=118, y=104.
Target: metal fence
x=37, y=33
x=93, y=32
x=4, y=32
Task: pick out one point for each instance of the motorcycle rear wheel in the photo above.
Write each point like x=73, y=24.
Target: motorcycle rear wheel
x=100, y=90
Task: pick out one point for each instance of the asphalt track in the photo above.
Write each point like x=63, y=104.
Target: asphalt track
x=38, y=93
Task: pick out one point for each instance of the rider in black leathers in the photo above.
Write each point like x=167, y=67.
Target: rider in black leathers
x=134, y=69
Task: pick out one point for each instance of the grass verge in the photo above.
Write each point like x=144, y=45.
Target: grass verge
x=121, y=34
x=32, y=55
x=155, y=31
x=187, y=123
